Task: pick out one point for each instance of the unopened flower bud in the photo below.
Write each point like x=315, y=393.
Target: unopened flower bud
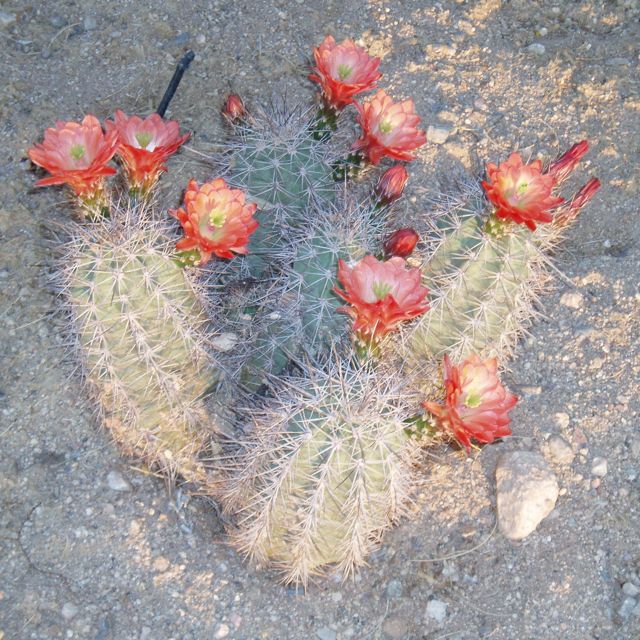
x=233, y=108
x=401, y=243
x=392, y=183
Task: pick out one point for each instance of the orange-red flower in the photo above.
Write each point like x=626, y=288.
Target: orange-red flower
x=476, y=404
x=521, y=192
x=388, y=129
x=343, y=71
x=215, y=220
x=233, y=108
x=76, y=154
x=401, y=243
x=381, y=295
x=144, y=146
x=392, y=183
x=566, y=163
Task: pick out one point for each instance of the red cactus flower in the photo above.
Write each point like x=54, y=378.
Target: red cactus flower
x=144, y=146
x=343, y=71
x=389, y=129
x=476, y=404
x=76, y=154
x=381, y=295
x=566, y=163
x=233, y=108
x=401, y=243
x=521, y=192
x=215, y=220
x=392, y=183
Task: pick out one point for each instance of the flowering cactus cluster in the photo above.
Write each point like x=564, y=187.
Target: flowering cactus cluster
x=355, y=344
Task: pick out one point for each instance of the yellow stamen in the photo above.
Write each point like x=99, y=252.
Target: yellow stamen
x=144, y=138
x=381, y=289
x=77, y=151
x=344, y=71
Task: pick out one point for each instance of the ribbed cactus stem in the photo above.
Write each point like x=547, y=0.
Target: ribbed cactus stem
x=140, y=328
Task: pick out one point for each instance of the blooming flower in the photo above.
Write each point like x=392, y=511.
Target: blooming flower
x=233, y=108
x=343, y=71
x=381, y=295
x=76, y=154
x=476, y=404
x=391, y=184
x=521, y=192
x=401, y=243
x=144, y=146
x=388, y=129
x=215, y=220
x=566, y=163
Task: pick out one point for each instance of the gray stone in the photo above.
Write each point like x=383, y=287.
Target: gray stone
x=536, y=48
x=627, y=607
x=437, y=610
x=630, y=589
x=326, y=633
x=69, y=611
x=572, y=299
x=527, y=490
x=117, y=482
x=58, y=21
x=7, y=19
x=90, y=23
x=145, y=633
x=599, y=467
x=437, y=135
x=395, y=628
x=634, y=447
x=394, y=589
x=559, y=450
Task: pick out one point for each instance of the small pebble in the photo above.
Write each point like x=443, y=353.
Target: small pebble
x=437, y=610
x=536, y=48
x=222, y=631
x=89, y=23
x=634, y=447
x=395, y=628
x=627, y=607
x=57, y=21
x=599, y=467
x=559, y=450
x=117, y=482
x=326, y=633
x=224, y=342
x=394, y=589
x=572, y=299
x=145, y=633
x=161, y=564
x=69, y=611
x=437, y=135
x=630, y=589
x=201, y=38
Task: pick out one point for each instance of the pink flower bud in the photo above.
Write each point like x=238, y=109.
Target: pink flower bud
x=401, y=243
x=391, y=184
x=233, y=108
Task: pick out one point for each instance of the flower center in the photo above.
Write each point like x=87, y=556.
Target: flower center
x=385, y=126
x=77, y=151
x=217, y=218
x=381, y=289
x=144, y=138
x=473, y=400
x=344, y=71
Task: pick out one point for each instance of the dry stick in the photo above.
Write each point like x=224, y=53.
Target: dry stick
x=184, y=63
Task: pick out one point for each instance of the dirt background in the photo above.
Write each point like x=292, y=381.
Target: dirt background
x=80, y=560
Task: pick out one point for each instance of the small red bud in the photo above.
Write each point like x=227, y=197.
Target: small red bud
x=401, y=243
x=233, y=108
x=566, y=163
x=391, y=184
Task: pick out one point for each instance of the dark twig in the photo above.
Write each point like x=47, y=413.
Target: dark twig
x=184, y=63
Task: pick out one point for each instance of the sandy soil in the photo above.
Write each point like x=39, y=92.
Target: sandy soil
x=79, y=560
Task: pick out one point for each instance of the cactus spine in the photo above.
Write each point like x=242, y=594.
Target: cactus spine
x=140, y=330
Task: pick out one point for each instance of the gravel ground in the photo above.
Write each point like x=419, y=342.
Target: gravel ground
x=90, y=548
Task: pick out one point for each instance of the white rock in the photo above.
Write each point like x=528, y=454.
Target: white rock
x=224, y=342
x=537, y=48
x=437, y=135
x=559, y=450
x=69, y=611
x=326, y=633
x=437, y=610
x=222, y=631
x=117, y=482
x=7, y=19
x=527, y=492
x=627, y=607
x=572, y=299
x=630, y=589
x=599, y=467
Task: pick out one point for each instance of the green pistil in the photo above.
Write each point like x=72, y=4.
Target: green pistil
x=385, y=127
x=381, y=289
x=217, y=218
x=473, y=401
x=344, y=71
x=77, y=151
x=144, y=138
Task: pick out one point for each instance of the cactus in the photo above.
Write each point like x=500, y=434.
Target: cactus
x=327, y=470
x=140, y=329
